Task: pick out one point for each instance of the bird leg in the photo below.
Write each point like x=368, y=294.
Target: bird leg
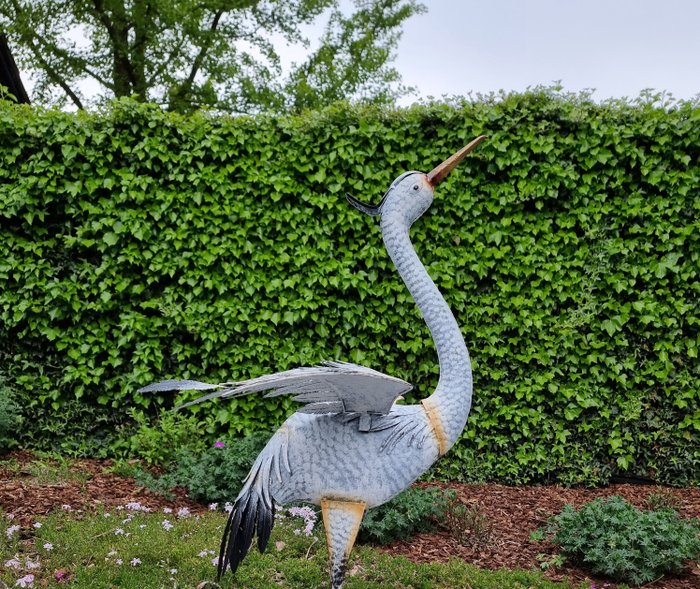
x=342, y=521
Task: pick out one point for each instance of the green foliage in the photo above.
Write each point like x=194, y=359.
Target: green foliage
x=214, y=475
x=662, y=499
x=190, y=54
x=10, y=418
x=86, y=552
x=413, y=511
x=137, y=245
x=158, y=443
x=615, y=539
x=71, y=428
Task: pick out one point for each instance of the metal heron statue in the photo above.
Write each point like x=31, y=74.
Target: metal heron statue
x=349, y=447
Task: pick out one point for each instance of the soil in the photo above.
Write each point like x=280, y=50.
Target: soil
x=507, y=515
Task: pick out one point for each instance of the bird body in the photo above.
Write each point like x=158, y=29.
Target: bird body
x=319, y=460
x=351, y=447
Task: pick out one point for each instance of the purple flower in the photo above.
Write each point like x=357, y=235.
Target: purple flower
x=309, y=516
x=27, y=581
x=218, y=444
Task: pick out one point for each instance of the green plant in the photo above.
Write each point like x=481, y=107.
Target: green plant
x=138, y=245
x=86, y=553
x=662, y=499
x=467, y=524
x=159, y=442
x=551, y=562
x=10, y=418
x=615, y=539
x=413, y=511
x=214, y=475
x=74, y=428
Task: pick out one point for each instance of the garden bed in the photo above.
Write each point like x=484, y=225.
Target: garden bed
x=512, y=513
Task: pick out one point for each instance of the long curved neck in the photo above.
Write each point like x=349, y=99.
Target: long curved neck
x=453, y=395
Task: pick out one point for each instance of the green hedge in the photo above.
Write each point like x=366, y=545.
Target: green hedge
x=137, y=245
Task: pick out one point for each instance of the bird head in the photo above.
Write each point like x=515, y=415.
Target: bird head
x=411, y=194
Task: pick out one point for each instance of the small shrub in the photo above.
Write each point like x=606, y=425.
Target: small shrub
x=75, y=429
x=413, y=511
x=663, y=499
x=10, y=418
x=159, y=442
x=469, y=525
x=616, y=540
x=213, y=475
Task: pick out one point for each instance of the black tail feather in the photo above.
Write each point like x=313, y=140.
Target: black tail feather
x=251, y=512
x=266, y=519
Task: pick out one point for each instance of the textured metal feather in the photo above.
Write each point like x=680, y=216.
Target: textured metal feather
x=333, y=387
x=252, y=514
x=178, y=385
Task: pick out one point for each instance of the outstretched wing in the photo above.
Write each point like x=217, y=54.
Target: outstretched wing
x=333, y=387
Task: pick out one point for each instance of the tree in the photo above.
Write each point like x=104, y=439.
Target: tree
x=186, y=54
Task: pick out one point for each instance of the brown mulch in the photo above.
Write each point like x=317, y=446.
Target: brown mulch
x=21, y=496
x=512, y=514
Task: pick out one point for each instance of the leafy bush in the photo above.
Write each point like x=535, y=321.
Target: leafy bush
x=137, y=245
x=159, y=442
x=214, y=475
x=10, y=419
x=413, y=511
x=73, y=428
x=615, y=539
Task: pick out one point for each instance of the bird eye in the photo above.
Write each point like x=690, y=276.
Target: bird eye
x=416, y=187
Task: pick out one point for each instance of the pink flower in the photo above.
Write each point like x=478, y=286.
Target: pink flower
x=218, y=444
x=60, y=575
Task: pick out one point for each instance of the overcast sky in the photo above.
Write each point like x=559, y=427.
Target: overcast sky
x=618, y=47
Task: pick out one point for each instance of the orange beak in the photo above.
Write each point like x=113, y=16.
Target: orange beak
x=439, y=173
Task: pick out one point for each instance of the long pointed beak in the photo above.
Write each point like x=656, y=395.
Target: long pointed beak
x=440, y=172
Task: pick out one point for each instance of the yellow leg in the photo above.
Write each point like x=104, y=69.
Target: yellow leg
x=342, y=520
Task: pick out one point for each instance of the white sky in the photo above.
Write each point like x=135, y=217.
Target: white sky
x=617, y=47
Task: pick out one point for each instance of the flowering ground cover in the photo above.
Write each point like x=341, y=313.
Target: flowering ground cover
x=78, y=524
x=135, y=547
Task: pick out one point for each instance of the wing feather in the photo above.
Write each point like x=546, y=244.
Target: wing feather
x=332, y=387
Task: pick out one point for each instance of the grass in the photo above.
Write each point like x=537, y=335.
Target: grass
x=97, y=550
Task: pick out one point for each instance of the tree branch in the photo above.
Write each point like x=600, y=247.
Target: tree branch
x=30, y=39
x=166, y=63
x=54, y=76
x=122, y=63
x=63, y=55
x=186, y=86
